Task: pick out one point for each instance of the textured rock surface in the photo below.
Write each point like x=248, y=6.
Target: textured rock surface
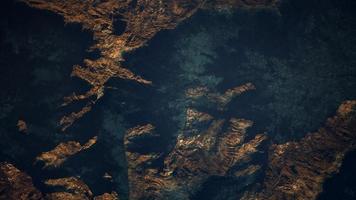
x=107, y=196
x=198, y=154
x=63, y=151
x=143, y=20
x=297, y=170
x=208, y=144
x=16, y=185
x=75, y=189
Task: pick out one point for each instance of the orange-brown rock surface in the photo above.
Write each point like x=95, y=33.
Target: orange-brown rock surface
x=229, y=94
x=75, y=189
x=63, y=151
x=297, y=170
x=198, y=154
x=221, y=100
x=107, y=196
x=143, y=18
x=139, y=131
x=16, y=185
x=193, y=116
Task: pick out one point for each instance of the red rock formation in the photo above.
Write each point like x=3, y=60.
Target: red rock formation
x=16, y=185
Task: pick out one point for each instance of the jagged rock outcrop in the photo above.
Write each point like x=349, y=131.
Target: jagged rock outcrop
x=16, y=185
x=143, y=19
x=221, y=100
x=191, y=162
x=194, y=116
x=200, y=151
x=139, y=131
x=62, y=152
x=75, y=189
x=297, y=170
